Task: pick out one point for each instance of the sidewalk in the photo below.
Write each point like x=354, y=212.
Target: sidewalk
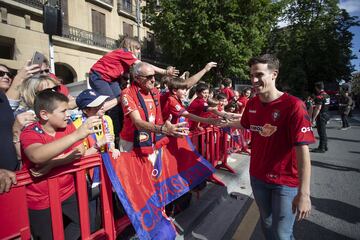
x=218, y=216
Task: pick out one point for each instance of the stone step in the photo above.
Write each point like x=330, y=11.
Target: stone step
x=217, y=214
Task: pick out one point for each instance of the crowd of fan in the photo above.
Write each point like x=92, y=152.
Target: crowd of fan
x=39, y=134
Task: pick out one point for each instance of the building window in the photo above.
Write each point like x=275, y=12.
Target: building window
x=7, y=47
x=128, y=30
x=127, y=5
x=98, y=27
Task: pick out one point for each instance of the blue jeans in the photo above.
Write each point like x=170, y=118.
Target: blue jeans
x=275, y=206
x=103, y=87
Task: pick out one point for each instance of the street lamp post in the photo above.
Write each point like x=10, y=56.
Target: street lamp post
x=138, y=21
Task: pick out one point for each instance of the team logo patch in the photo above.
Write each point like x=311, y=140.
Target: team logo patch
x=177, y=107
x=275, y=115
x=125, y=102
x=252, y=111
x=143, y=137
x=92, y=93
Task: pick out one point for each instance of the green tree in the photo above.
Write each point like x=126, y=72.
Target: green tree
x=229, y=32
x=315, y=46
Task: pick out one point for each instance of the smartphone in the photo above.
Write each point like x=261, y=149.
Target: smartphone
x=38, y=58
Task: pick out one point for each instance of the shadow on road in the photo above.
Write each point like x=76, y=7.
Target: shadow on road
x=337, y=209
x=333, y=167
x=344, y=139
x=309, y=231
x=354, y=152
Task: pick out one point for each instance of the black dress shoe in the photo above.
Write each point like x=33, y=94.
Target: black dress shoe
x=318, y=150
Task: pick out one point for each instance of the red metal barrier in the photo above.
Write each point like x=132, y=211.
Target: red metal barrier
x=213, y=143
x=14, y=219
x=216, y=145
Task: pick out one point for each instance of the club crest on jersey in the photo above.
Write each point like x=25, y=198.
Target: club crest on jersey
x=275, y=115
x=125, y=102
x=177, y=107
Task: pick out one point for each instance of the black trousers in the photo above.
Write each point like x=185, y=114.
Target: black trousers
x=344, y=119
x=321, y=129
x=40, y=221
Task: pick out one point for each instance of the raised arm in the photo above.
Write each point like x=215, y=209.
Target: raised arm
x=191, y=81
x=24, y=73
x=167, y=128
x=41, y=153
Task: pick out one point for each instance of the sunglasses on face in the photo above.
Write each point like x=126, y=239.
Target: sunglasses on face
x=53, y=89
x=9, y=74
x=148, y=77
x=44, y=71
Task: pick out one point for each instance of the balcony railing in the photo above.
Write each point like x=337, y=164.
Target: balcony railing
x=32, y=3
x=89, y=38
x=110, y=2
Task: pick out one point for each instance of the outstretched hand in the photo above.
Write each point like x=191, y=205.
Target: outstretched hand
x=175, y=130
x=210, y=65
x=172, y=71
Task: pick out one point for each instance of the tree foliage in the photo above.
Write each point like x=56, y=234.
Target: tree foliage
x=194, y=32
x=315, y=46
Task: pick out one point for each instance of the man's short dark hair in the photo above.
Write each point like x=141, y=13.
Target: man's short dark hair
x=46, y=100
x=177, y=83
x=319, y=85
x=269, y=59
x=202, y=87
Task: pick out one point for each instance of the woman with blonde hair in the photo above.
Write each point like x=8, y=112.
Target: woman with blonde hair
x=30, y=88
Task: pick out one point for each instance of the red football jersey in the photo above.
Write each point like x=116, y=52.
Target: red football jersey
x=112, y=65
x=197, y=107
x=229, y=93
x=37, y=194
x=277, y=127
x=174, y=107
x=128, y=106
x=242, y=101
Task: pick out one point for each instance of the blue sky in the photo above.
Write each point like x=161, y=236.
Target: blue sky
x=353, y=8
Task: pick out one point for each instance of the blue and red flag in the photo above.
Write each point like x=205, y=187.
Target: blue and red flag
x=144, y=189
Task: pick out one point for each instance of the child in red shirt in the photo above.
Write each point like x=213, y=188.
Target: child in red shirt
x=175, y=108
x=201, y=108
x=46, y=144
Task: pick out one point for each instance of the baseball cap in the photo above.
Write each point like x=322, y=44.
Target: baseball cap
x=90, y=98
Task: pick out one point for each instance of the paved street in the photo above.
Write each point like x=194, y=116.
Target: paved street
x=335, y=188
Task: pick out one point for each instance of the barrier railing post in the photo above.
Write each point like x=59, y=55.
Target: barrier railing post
x=225, y=148
x=107, y=205
x=83, y=203
x=55, y=209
